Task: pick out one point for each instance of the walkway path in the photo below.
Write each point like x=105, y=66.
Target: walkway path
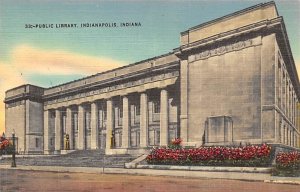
x=154, y=172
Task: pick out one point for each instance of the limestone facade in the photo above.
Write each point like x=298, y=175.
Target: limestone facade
x=232, y=80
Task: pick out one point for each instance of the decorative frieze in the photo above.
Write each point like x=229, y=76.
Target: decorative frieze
x=220, y=50
x=115, y=87
x=14, y=104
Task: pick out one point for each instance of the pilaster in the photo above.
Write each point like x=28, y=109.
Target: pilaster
x=282, y=133
x=109, y=124
x=46, y=132
x=58, y=131
x=125, y=123
x=184, y=100
x=144, y=119
x=69, y=129
x=81, y=127
x=94, y=126
x=164, y=117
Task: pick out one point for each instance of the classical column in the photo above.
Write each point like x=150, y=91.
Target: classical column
x=281, y=133
x=292, y=138
x=125, y=123
x=144, y=119
x=295, y=105
x=69, y=129
x=294, y=109
x=288, y=100
x=279, y=84
x=58, y=131
x=46, y=132
x=94, y=126
x=283, y=92
x=109, y=123
x=296, y=112
x=184, y=100
x=81, y=127
x=164, y=117
x=288, y=137
x=286, y=95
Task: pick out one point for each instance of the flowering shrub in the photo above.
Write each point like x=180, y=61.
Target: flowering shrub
x=4, y=144
x=252, y=155
x=175, y=143
x=289, y=160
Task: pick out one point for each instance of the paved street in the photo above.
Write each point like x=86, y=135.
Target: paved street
x=19, y=180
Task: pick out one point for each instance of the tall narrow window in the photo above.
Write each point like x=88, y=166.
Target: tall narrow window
x=75, y=122
x=137, y=110
x=156, y=106
x=121, y=111
x=36, y=142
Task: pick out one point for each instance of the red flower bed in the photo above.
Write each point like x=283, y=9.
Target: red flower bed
x=175, y=144
x=289, y=160
x=252, y=155
x=176, y=141
x=4, y=143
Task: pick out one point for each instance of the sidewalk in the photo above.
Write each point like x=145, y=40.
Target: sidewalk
x=173, y=173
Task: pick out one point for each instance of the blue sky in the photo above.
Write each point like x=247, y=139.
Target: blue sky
x=161, y=23
x=45, y=57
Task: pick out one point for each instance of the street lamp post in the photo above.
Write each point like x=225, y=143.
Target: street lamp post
x=13, y=163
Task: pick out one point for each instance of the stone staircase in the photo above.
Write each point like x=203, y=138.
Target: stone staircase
x=80, y=158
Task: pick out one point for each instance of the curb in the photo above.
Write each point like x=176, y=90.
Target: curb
x=261, y=177
x=283, y=182
x=208, y=168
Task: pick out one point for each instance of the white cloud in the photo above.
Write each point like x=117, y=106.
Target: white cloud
x=33, y=60
x=26, y=60
x=9, y=78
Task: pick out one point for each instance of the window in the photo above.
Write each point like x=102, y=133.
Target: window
x=156, y=107
x=64, y=121
x=104, y=115
x=137, y=110
x=75, y=122
x=121, y=112
x=88, y=121
x=36, y=142
x=52, y=114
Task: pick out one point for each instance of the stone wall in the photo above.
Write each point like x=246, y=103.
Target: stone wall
x=34, y=128
x=227, y=84
x=15, y=121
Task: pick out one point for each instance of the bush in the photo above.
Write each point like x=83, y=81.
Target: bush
x=252, y=155
x=287, y=164
x=176, y=144
x=289, y=160
x=5, y=146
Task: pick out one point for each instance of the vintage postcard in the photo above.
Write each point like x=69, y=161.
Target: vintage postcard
x=166, y=95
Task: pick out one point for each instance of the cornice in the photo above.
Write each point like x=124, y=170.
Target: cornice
x=255, y=27
x=231, y=15
x=24, y=96
x=149, y=60
x=111, y=88
x=114, y=80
